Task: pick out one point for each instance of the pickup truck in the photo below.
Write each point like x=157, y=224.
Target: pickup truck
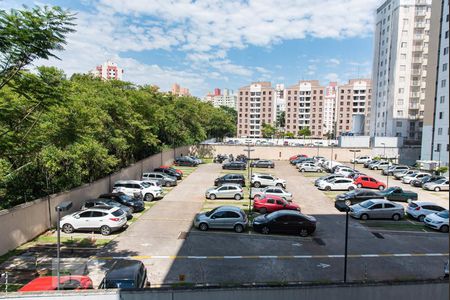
x=396, y=193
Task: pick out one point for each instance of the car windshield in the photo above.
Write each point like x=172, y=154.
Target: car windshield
x=117, y=213
x=443, y=214
x=388, y=190
x=120, y=284
x=367, y=204
x=210, y=212
x=145, y=184
x=126, y=198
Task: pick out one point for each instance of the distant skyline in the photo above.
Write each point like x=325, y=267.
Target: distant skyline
x=227, y=44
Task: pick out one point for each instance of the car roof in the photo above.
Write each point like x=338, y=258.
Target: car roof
x=230, y=184
x=420, y=203
x=111, y=194
x=101, y=208
x=228, y=207
x=128, y=181
x=381, y=201
x=123, y=269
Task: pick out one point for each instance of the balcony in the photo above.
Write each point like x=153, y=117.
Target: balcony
x=416, y=71
x=417, y=60
x=417, y=48
x=420, y=13
x=414, y=95
x=415, y=83
x=414, y=106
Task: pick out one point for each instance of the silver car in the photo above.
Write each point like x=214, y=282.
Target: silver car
x=309, y=167
x=270, y=191
x=377, y=209
x=437, y=186
x=222, y=217
x=227, y=191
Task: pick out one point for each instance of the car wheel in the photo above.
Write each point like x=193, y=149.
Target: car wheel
x=257, y=184
x=265, y=230
x=148, y=197
x=238, y=228
x=381, y=187
x=303, y=232
x=396, y=217
x=421, y=218
x=328, y=188
x=437, y=189
x=212, y=197
x=263, y=210
x=302, y=170
x=105, y=230
x=67, y=228
x=364, y=217
x=279, y=185
x=359, y=185
x=376, y=168
x=348, y=202
x=203, y=226
x=351, y=188
x=444, y=228
x=237, y=197
x=167, y=184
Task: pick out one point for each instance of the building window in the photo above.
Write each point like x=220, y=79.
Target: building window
x=445, y=50
x=399, y=124
x=439, y=131
x=441, y=115
x=401, y=90
x=443, y=83
x=444, y=67
x=442, y=99
x=404, y=44
x=400, y=113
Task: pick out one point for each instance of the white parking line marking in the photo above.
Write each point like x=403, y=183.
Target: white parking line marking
x=232, y=257
x=197, y=257
x=405, y=254
x=369, y=255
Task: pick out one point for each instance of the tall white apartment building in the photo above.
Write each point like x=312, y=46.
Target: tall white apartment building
x=280, y=102
x=435, y=144
x=108, y=70
x=400, y=69
x=329, y=108
x=222, y=98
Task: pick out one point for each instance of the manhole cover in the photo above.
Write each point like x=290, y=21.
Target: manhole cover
x=183, y=235
x=378, y=235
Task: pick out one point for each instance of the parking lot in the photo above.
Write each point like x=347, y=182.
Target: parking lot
x=173, y=251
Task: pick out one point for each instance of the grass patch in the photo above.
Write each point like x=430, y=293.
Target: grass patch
x=312, y=174
x=70, y=241
x=10, y=254
x=12, y=287
x=208, y=160
x=396, y=226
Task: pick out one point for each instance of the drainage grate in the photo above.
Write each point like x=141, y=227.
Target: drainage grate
x=378, y=235
x=319, y=241
x=183, y=235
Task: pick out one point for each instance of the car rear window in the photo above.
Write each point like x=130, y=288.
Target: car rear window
x=117, y=213
x=412, y=205
x=120, y=284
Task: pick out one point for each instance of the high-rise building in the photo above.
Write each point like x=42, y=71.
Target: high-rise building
x=108, y=70
x=329, y=108
x=400, y=69
x=180, y=91
x=255, y=106
x=227, y=98
x=435, y=145
x=280, y=103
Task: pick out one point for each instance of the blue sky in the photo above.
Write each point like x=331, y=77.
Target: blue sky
x=227, y=44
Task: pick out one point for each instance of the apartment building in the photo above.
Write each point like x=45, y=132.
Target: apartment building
x=222, y=98
x=255, y=106
x=329, y=108
x=435, y=144
x=280, y=103
x=400, y=69
x=108, y=70
x=179, y=90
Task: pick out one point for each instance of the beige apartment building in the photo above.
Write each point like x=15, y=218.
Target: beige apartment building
x=255, y=106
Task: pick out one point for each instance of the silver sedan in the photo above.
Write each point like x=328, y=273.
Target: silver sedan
x=377, y=209
x=228, y=190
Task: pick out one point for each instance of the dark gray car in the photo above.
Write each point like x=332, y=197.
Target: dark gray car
x=222, y=217
x=162, y=178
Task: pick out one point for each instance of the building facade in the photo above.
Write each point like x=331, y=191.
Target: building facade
x=280, y=103
x=108, y=70
x=400, y=69
x=255, y=106
x=180, y=91
x=435, y=138
x=226, y=98
x=329, y=109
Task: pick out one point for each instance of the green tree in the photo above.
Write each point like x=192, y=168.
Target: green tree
x=304, y=132
x=289, y=135
x=268, y=130
x=281, y=119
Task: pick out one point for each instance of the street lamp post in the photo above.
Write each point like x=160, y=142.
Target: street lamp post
x=63, y=206
x=384, y=150
x=331, y=164
x=354, y=157
x=346, y=243
x=249, y=150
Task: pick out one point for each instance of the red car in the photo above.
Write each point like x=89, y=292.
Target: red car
x=50, y=283
x=369, y=182
x=172, y=168
x=269, y=204
x=297, y=156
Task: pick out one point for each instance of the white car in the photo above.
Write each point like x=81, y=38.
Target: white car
x=361, y=159
x=337, y=184
x=259, y=180
x=327, y=178
x=438, y=221
x=138, y=188
x=420, y=209
x=309, y=167
x=379, y=165
x=345, y=171
x=105, y=219
x=271, y=191
x=418, y=175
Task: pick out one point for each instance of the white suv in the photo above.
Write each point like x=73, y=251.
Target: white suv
x=259, y=180
x=106, y=219
x=136, y=188
x=337, y=184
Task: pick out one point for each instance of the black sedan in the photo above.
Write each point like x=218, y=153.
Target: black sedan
x=285, y=221
x=356, y=196
x=170, y=172
x=230, y=178
x=262, y=164
x=234, y=165
x=420, y=182
x=125, y=274
x=136, y=204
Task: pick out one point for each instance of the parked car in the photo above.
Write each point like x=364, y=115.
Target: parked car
x=342, y=201
x=169, y=171
x=163, y=179
x=355, y=175
x=396, y=193
x=185, y=161
x=297, y=156
x=220, y=158
x=345, y=171
x=107, y=202
x=227, y=191
x=420, y=209
x=437, y=186
x=106, y=220
x=394, y=169
x=272, y=203
x=309, y=167
x=285, y=221
x=230, y=178
x=327, y=178
x=422, y=181
x=337, y=184
x=300, y=160
x=417, y=175
x=222, y=217
x=380, y=165
x=369, y=162
x=361, y=159
x=125, y=274
x=369, y=182
x=270, y=191
x=377, y=209
x=135, y=204
x=172, y=168
x=262, y=164
x=329, y=165
x=438, y=221
x=401, y=174
x=259, y=180
x=136, y=188
x=234, y=165
x=196, y=159
x=50, y=283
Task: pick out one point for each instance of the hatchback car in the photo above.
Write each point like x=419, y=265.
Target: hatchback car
x=327, y=178
x=230, y=178
x=377, y=209
x=380, y=165
x=106, y=220
x=234, y=165
x=270, y=204
x=438, y=221
x=437, y=186
x=262, y=164
x=50, y=283
x=136, y=188
x=309, y=167
x=361, y=159
x=222, y=217
x=418, y=175
x=369, y=182
x=401, y=174
x=135, y=204
x=421, y=182
x=285, y=221
x=270, y=191
x=125, y=274
x=225, y=191
x=420, y=209
x=337, y=184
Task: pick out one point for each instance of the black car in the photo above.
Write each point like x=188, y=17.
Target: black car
x=107, y=203
x=356, y=196
x=170, y=172
x=301, y=160
x=423, y=180
x=230, y=178
x=367, y=163
x=125, y=274
x=262, y=164
x=220, y=158
x=185, y=161
x=234, y=165
x=285, y=221
x=136, y=204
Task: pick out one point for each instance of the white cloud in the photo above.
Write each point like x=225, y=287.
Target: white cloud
x=334, y=61
x=332, y=77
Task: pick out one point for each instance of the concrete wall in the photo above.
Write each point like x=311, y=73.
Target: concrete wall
x=24, y=222
x=354, y=141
